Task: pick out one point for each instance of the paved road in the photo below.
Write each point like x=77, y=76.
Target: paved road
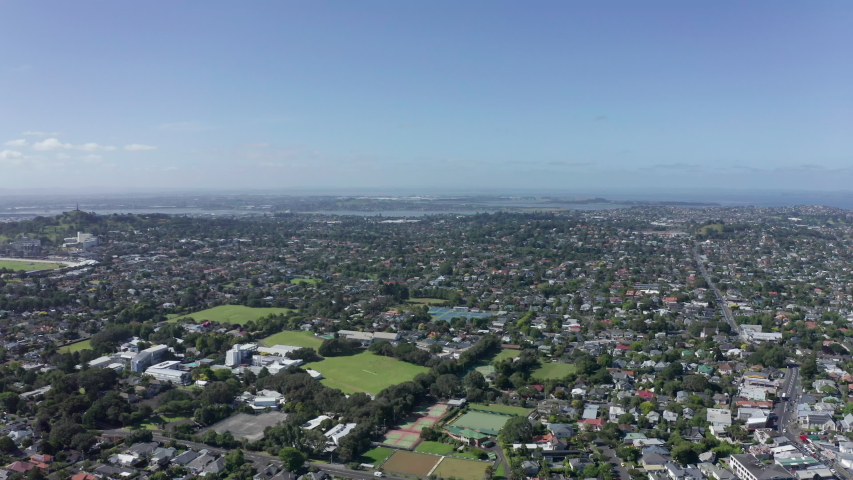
x=616, y=462
x=786, y=412
x=727, y=313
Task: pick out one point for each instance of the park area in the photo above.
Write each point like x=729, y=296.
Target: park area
x=408, y=433
x=485, y=365
x=550, y=371
x=75, y=347
x=235, y=314
x=28, y=265
x=364, y=372
x=489, y=423
x=294, y=338
x=375, y=456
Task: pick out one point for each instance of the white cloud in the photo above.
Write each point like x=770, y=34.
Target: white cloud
x=94, y=147
x=40, y=134
x=51, y=144
x=137, y=147
x=11, y=156
x=17, y=143
x=55, y=144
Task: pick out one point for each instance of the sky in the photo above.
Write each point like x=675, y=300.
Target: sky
x=461, y=95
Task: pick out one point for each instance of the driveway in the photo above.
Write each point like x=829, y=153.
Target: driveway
x=616, y=463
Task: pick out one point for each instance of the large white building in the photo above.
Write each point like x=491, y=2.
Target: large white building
x=148, y=357
x=169, y=371
x=240, y=354
x=339, y=431
x=82, y=240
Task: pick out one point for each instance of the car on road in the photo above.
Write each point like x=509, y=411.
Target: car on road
x=378, y=474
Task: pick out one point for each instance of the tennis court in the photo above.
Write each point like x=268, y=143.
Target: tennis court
x=446, y=314
x=408, y=432
x=480, y=421
x=401, y=438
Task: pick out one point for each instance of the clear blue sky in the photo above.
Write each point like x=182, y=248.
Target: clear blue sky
x=576, y=95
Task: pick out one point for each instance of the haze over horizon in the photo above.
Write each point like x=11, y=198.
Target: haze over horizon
x=382, y=95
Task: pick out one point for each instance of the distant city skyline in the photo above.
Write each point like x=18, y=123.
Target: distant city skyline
x=553, y=96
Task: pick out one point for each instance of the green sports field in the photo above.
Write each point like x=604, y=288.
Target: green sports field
x=480, y=421
x=461, y=469
x=552, y=370
x=311, y=281
x=485, y=365
x=375, y=456
x=437, y=448
x=237, y=314
x=75, y=347
x=364, y=372
x=26, y=266
x=501, y=409
x=297, y=339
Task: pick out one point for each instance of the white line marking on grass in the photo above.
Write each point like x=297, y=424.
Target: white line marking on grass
x=436, y=466
x=368, y=371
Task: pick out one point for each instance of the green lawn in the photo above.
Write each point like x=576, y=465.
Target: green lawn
x=553, y=370
x=297, y=339
x=76, y=347
x=312, y=281
x=237, y=314
x=506, y=353
x=460, y=469
x=494, y=407
x=718, y=227
x=437, y=448
x=28, y=266
x=364, y=372
x=375, y=456
x=484, y=365
x=154, y=422
x=426, y=301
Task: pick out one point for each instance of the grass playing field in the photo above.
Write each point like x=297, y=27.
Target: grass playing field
x=237, y=314
x=461, y=469
x=75, y=347
x=501, y=409
x=411, y=463
x=480, y=420
x=297, y=339
x=312, y=281
x=365, y=372
x=552, y=370
x=485, y=366
x=28, y=266
x=375, y=456
x=435, y=447
x=426, y=301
